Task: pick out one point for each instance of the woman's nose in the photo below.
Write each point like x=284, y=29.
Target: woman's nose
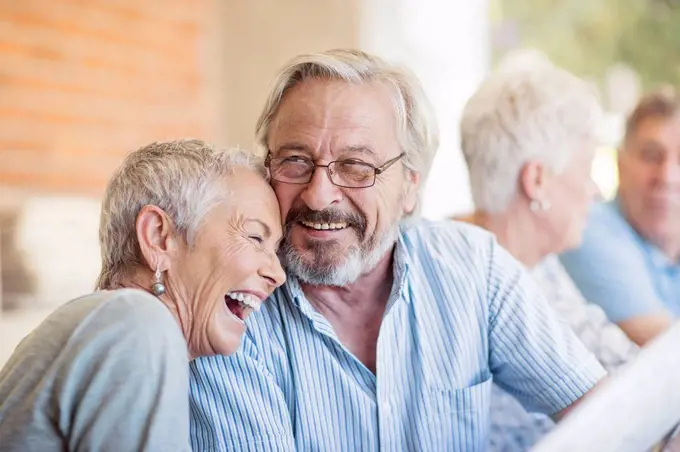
x=274, y=273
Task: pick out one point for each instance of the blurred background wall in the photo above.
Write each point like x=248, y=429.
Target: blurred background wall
x=82, y=82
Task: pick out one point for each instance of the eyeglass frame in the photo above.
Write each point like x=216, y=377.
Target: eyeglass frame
x=377, y=170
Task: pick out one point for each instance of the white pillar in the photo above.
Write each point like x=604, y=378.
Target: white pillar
x=447, y=45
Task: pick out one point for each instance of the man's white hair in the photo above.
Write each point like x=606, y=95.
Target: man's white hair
x=417, y=132
x=541, y=113
x=185, y=178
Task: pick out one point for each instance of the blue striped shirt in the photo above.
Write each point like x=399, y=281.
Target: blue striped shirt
x=462, y=313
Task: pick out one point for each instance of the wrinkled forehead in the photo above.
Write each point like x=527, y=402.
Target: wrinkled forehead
x=319, y=113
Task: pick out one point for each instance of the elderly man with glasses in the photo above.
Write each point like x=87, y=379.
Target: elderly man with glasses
x=389, y=330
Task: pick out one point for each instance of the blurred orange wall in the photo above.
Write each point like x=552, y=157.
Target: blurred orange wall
x=83, y=82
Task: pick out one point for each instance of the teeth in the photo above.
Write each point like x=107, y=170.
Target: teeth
x=325, y=226
x=246, y=300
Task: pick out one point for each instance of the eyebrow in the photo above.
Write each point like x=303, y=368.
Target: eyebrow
x=294, y=146
x=359, y=150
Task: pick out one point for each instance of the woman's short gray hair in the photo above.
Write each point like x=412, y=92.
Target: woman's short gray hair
x=541, y=113
x=417, y=131
x=184, y=178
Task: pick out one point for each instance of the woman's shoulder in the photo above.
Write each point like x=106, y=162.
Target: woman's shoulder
x=128, y=303
x=128, y=326
x=100, y=317
x=122, y=312
x=602, y=337
x=130, y=306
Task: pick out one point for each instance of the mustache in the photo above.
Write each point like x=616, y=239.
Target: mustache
x=304, y=213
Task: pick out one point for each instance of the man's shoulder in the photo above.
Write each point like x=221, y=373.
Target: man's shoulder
x=605, y=218
x=607, y=233
x=458, y=232
x=445, y=238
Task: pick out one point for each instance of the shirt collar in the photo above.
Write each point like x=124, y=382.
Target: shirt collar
x=657, y=257
x=402, y=265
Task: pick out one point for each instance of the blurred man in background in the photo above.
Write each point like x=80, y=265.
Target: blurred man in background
x=629, y=262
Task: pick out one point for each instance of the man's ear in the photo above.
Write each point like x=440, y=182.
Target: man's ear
x=620, y=158
x=155, y=234
x=411, y=195
x=533, y=178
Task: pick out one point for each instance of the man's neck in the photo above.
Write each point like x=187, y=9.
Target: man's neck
x=668, y=244
x=356, y=310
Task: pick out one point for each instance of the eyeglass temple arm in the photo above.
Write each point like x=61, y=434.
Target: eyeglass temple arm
x=389, y=163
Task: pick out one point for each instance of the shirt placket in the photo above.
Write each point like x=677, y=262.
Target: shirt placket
x=388, y=404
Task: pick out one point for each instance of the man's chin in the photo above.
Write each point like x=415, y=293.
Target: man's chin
x=321, y=268
x=320, y=262
x=314, y=250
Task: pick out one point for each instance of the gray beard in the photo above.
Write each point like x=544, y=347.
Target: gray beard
x=321, y=271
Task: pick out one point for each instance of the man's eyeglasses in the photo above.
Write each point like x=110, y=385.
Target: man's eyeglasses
x=343, y=173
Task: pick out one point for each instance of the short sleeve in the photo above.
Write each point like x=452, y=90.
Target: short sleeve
x=123, y=380
x=533, y=355
x=609, y=268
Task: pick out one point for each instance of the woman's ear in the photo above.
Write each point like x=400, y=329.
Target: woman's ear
x=155, y=234
x=533, y=181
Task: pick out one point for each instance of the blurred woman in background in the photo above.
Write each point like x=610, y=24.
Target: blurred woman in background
x=528, y=137
x=188, y=239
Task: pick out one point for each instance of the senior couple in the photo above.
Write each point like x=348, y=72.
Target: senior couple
x=389, y=331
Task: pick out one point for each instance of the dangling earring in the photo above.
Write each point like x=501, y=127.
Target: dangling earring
x=543, y=205
x=158, y=287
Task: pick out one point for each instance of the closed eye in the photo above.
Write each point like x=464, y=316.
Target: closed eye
x=296, y=159
x=257, y=239
x=354, y=161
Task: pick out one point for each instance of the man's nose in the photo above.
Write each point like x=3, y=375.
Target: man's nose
x=320, y=192
x=669, y=173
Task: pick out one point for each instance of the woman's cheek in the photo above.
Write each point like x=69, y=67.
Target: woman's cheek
x=243, y=264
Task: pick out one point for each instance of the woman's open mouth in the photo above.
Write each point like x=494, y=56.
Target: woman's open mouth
x=241, y=304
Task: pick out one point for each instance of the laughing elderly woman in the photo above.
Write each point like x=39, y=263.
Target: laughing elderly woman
x=528, y=137
x=188, y=239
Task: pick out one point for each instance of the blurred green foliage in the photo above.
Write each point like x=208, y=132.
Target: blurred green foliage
x=589, y=36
